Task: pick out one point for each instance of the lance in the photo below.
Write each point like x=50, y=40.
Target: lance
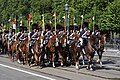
x=55, y=23
x=81, y=22
x=14, y=27
x=93, y=22
x=64, y=22
x=29, y=18
x=43, y=22
x=74, y=23
x=54, y=15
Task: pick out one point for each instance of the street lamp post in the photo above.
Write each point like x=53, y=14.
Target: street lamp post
x=66, y=16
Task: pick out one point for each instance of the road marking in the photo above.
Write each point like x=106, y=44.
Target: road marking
x=34, y=74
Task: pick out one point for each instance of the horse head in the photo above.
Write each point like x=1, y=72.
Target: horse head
x=102, y=41
x=63, y=39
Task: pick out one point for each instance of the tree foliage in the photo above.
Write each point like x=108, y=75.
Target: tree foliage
x=106, y=12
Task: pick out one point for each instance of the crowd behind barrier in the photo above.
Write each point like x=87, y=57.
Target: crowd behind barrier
x=113, y=44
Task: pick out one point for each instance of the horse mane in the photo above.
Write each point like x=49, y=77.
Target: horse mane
x=89, y=46
x=51, y=41
x=93, y=39
x=103, y=38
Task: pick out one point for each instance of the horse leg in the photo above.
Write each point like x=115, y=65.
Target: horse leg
x=39, y=64
x=77, y=60
x=83, y=62
x=83, y=57
x=18, y=57
x=90, y=63
x=100, y=57
x=22, y=57
x=26, y=53
x=62, y=61
x=53, y=63
x=12, y=55
x=30, y=56
x=36, y=58
x=90, y=59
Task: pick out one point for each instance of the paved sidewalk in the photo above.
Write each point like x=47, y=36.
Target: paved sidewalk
x=112, y=53
x=114, y=56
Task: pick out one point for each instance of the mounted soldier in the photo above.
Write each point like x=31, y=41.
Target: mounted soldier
x=47, y=33
x=35, y=31
x=22, y=34
x=71, y=34
x=60, y=30
x=33, y=34
x=5, y=39
x=84, y=32
x=13, y=38
x=76, y=29
x=22, y=46
x=96, y=30
x=84, y=35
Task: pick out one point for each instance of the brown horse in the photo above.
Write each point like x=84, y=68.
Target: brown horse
x=62, y=48
x=50, y=49
x=102, y=42
x=13, y=49
x=75, y=50
x=90, y=49
x=37, y=49
x=23, y=50
x=5, y=46
x=5, y=43
x=40, y=49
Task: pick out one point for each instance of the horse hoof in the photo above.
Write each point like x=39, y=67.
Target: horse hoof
x=83, y=63
x=61, y=65
x=40, y=67
x=100, y=63
x=18, y=61
x=91, y=69
x=53, y=66
x=77, y=67
x=87, y=68
x=30, y=66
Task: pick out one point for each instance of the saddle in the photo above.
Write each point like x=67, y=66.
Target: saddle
x=11, y=42
x=46, y=40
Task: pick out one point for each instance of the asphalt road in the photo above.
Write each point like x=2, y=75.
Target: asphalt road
x=14, y=71
x=11, y=73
